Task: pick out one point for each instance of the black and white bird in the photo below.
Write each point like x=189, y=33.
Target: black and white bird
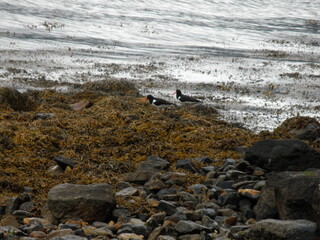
x=157, y=101
x=185, y=98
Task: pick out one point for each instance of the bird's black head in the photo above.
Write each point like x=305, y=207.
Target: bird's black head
x=150, y=98
x=178, y=92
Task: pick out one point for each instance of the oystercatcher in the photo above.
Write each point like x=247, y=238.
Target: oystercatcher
x=157, y=101
x=184, y=98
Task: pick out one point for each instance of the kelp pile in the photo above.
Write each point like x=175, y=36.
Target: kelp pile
x=106, y=140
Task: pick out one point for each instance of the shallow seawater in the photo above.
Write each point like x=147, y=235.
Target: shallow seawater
x=258, y=62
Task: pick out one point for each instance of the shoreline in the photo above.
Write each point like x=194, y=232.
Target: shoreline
x=259, y=94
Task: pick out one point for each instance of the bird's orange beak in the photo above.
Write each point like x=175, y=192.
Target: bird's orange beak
x=174, y=92
x=143, y=99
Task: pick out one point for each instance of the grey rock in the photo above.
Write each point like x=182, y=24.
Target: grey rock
x=30, y=228
x=139, y=177
x=154, y=184
x=184, y=227
x=228, y=196
x=72, y=226
x=162, y=233
x=98, y=224
x=167, y=207
x=226, y=212
x=212, y=175
x=125, y=230
x=186, y=164
x=69, y=237
x=239, y=228
x=174, y=178
x=25, y=197
x=229, y=161
x=127, y=192
x=166, y=237
x=26, y=206
x=154, y=163
x=259, y=185
x=21, y=214
x=244, y=204
x=234, y=174
x=139, y=229
x=156, y=219
x=243, y=184
x=210, y=223
x=248, y=213
x=12, y=230
x=12, y=204
x=244, y=166
x=192, y=215
x=64, y=162
x=205, y=160
x=207, y=169
x=226, y=184
x=167, y=191
x=89, y=202
x=176, y=217
x=291, y=195
x=212, y=205
x=282, y=155
x=169, y=197
x=220, y=178
x=214, y=192
x=258, y=172
x=123, y=185
x=185, y=196
x=198, y=188
x=210, y=212
x=282, y=230
x=228, y=168
x=190, y=237
x=121, y=214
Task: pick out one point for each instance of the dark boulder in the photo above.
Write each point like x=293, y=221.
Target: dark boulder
x=291, y=195
x=283, y=155
x=187, y=164
x=282, y=230
x=154, y=163
x=89, y=202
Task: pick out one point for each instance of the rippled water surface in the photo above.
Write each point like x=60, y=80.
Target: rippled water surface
x=240, y=56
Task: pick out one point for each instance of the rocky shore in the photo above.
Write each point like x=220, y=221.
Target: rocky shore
x=97, y=163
